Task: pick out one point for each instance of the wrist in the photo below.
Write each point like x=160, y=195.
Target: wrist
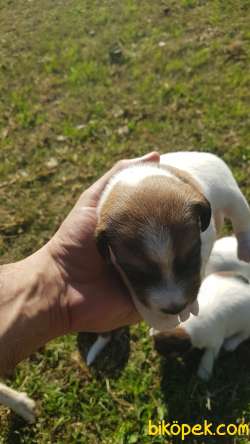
x=31, y=313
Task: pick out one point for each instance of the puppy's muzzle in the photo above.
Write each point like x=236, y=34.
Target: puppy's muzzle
x=174, y=308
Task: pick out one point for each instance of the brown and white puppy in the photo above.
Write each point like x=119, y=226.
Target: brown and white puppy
x=150, y=225
x=157, y=225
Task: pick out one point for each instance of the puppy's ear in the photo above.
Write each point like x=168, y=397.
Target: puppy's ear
x=102, y=243
x=204, y=212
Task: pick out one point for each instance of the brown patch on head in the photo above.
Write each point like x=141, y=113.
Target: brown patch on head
x=117, y=224
x=176, y=341
x=203, y=207
x=183, y=176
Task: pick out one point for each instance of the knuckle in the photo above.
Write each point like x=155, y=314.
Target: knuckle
x=121, y=164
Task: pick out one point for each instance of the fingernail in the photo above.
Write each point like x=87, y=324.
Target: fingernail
x=152, y=154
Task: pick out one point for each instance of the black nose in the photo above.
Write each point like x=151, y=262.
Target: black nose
x=174, y=308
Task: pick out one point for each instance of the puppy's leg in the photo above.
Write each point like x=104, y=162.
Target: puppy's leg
x=19, y=402
x=207, y=363
x=239, y=213
x=232, y=343
x=97, y=347
x=244, y=246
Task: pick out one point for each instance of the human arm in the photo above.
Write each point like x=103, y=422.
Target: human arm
x=63, y=287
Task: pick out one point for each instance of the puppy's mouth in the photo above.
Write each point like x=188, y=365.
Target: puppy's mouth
x=158, y=320
x=192, y=308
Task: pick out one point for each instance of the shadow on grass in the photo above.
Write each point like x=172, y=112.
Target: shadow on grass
x=223, y=400
x=114, y=356
x=17, y=430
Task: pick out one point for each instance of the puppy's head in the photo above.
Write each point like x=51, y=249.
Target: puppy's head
x=176, y=341
x=152, y=228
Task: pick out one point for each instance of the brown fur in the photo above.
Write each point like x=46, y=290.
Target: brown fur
x=158, y=202
x=172, y=341
x=184, y=177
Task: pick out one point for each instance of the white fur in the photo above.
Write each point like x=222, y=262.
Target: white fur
x=222, y=191
x=158, y=244
x=224, y=258
x=159, y=248
x=96, y=348
x=19, y=402
x=224, y=315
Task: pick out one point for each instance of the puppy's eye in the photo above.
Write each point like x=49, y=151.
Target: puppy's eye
x=147, y=275
x=136, y=272
x=187, y=265
x=196, y=248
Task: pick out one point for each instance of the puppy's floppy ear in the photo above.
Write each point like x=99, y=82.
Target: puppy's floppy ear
x=203, y=211
x=102, y=243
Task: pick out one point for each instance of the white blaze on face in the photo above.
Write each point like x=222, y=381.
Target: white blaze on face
x=159, y=248
x=158, y=243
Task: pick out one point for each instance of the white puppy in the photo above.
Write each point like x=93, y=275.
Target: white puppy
x=224, y=302
x=224, y=258
x=157, y=225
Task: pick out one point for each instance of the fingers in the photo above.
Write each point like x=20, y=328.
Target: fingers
x=130, y=317
x=133, y=318
x=92, y=194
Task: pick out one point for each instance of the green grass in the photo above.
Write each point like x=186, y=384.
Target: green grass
x=83, y=84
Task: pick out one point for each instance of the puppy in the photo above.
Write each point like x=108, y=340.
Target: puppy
x=157, y=225
x=19, y=402
x=224, y=258
x=224, y=309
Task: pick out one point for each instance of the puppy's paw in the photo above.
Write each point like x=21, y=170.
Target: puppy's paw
x=230, y=345
x=244, y=247
x=25, y=407
x=203, y=373
x=97, y=348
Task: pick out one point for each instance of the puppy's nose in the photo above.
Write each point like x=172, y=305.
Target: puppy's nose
x=174, y=308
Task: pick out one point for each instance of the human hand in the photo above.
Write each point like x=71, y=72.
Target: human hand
x=94, y=297
x=65, y=286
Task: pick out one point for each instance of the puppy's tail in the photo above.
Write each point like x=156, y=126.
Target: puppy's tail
x=97, y=347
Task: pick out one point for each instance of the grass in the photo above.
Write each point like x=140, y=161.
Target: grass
x=83, y=84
